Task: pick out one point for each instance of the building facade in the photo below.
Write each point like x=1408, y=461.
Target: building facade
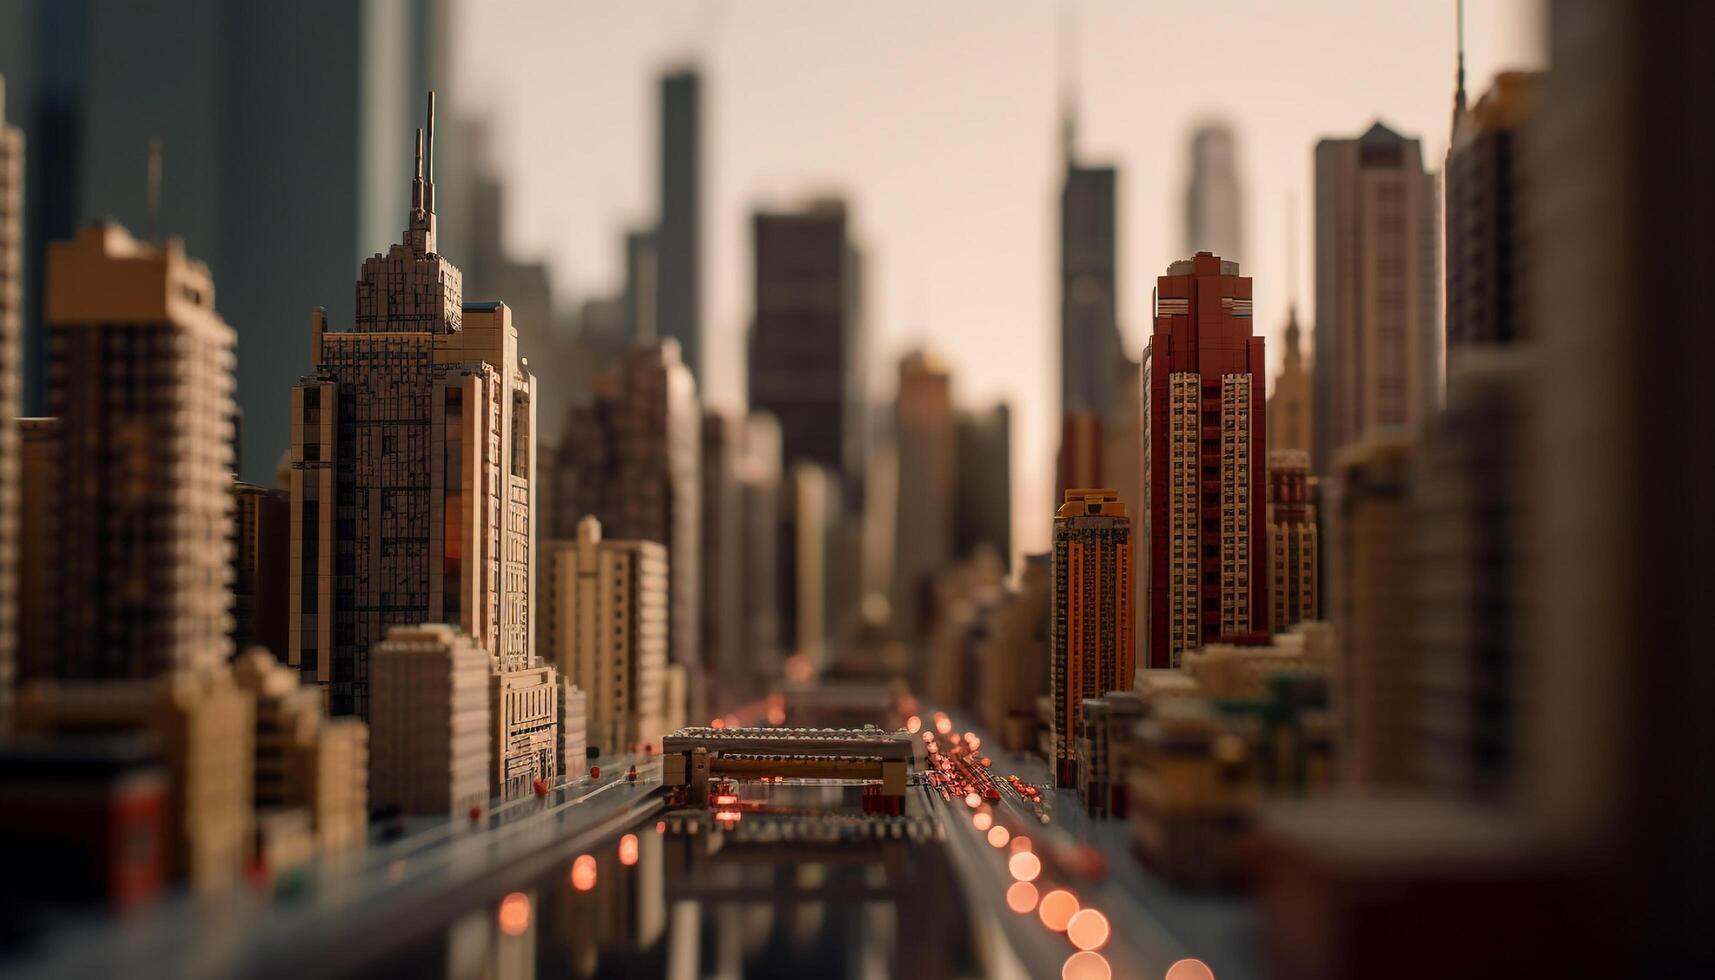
x=1289, y=402
x=925, y=431
x=678, y=237
x=721, y=618
x=11, y=396
x=632, y=458
x=983, y=508
x=760, y=477
x=605, y=604
x=806, y=340
x=38, y=545
x=1214, y=200
x=261, y=553
x=1487, y=289
x=413, y=468
x=524, y=715
x=429, y=726
x=1293, y=543
x=1091, y=650
x=140, y=378
x=1205, y=462
x=1090, y=348
x=1378, y=326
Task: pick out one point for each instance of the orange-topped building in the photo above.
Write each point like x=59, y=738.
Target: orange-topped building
x=1092, y=651
x=1205, y=462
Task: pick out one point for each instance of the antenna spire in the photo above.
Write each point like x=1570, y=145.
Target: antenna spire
x=429, y=158
x=1068, y=28
x=1459, y=75
x=421, y=233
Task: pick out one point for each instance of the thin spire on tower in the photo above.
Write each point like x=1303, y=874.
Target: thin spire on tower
x=1459, y=75
x=1069, y=27
x=429, y=158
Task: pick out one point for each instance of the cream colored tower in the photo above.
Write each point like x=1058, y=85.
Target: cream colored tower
x=429, y=731
x=605, y=610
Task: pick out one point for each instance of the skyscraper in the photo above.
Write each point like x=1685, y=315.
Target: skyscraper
x=983, y=510
x=1214, y=200
x=721, y=618
x=413, y=467
x=11, y=383
x=632, y=457
x=806, y=343
x=261, y=564
x=1293, y=543
x=605, y=608
x=1377, y=344
x=1486, y=283
x=760, y=485
x=1090, y=348
x=140, y=378
x=678, y=278
x=1091, y=652
x=1205, y=461
x=1289, y=403
x=924, y=428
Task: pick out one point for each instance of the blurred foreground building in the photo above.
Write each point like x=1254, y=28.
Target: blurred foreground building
x=925, y=516
x=11, y=400
x=140, y=380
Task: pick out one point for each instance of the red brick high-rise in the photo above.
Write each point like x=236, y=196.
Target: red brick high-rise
x=1205, y=462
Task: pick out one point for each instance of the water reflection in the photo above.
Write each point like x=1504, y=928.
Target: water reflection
x=803, y=884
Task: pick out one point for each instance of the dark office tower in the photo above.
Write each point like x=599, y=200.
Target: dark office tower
x=679, y=272
x=1214, y=201
x=262, y=526
x=1090, y=349
x=1091, y=652
x=1620, y=212
x=983, y=513
x=1486, y=284
x=228, y=91
x=11, y=402
x=632, y=458
x=923, y=425
x=140, y=378
x=413, y=473
x=1204, y=462
x=806, y=347
x=1377, y=339
x=722, y=615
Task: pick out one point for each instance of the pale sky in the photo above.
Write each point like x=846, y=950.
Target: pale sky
x=937, y=121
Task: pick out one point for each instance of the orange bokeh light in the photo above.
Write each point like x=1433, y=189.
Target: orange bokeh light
x=1024, y=866
x=913, y=724
x=628, y=850
x=1190, y=969
x=717, y=723
x=998, y=836
x=972, y=800
x=943, y=724
x=1057, y=909
x=1020, y=843
x=1021, y=897
x=1086, y=966
x=583, y=873
x=1088, y=929
x=981, y=820
x=515, y=914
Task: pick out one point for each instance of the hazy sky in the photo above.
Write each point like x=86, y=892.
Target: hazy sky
x=937, y=121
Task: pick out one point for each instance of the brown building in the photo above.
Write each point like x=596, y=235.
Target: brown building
x=429, y=730
x=1294, y=554
x=201, y=723
x=1289, y=402
x=524, y=713
x=760, y=484
x=1015, y=657
x=140, y=378
x=1377, y=344
x=605, y=626
x=1487, y=287
x=1373, y=690
x=1079, y=462
x=1092, y=651
x=632, y=458
x=38, y=545
x=927, y=491
x=413, y=468
x=574, y=727
x=304, y=760
x=1204, y=462
x=262, y=561
x=11, y=384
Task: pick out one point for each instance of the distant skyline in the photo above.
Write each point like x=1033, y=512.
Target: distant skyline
x=940, y=127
